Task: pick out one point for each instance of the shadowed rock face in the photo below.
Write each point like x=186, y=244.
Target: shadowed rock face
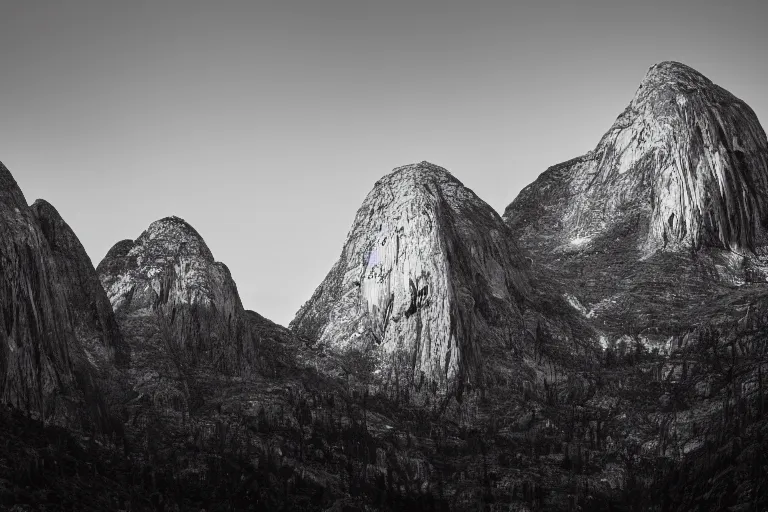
x=665, y=214
x=427, y=276
x=42, y=362
x=92, y=315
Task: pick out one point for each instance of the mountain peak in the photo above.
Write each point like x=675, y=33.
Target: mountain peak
x=52, y=313
x=169, y=275
x=175, y=225
x=420, y=171
x=672, y=84
x=671, y=204
x=687, y=157
x=10, y=193
x=427, y=280
x=42, y=204
x=672, y=72
x=173, y=237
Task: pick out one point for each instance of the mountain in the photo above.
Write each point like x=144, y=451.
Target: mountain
x=56, y=328
x=664, y=217
x=182, y=318
x=169, y=274
x=429, y=285
x=223, y=402
x=659, y=236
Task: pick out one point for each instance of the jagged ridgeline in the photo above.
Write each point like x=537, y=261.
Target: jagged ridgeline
x=57, y=329
x=429, y=283
x=686, y=160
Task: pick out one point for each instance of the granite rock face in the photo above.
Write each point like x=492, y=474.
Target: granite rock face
x=169, y=275
x=45, y=369
x=664, y=216
x=182, y=319
x=92, y=316
x=686, y=158
x=427, y=276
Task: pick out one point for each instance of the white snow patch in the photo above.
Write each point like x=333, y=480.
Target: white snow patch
x=574, y=302
x=581, y=240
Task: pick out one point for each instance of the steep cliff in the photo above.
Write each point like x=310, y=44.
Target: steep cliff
x=43, y=365
x=91, y=312
x=664, y=216
x=428, y=279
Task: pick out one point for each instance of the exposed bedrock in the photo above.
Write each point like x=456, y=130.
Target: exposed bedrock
x=687, y=161
x=92, y=315
x=45, y=368
x=428, y=279
x=184, y=324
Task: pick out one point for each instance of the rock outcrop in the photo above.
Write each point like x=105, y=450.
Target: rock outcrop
x=428, y=279
x=44, y=367
x=652, y=228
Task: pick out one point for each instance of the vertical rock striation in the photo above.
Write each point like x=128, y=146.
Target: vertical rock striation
x=428, y=279
x=43, y=365
x=92, y=316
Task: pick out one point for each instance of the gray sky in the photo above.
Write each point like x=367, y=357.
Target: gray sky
x=265, y=124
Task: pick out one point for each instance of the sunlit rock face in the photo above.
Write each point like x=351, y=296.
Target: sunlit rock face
x=43, y=367
x=91, y=312
x=427, y=276
x=710, y=161
x=181, y=302
x=687, y=158
x=670, y=205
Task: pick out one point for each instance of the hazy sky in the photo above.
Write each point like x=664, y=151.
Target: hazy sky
x=265, y=124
